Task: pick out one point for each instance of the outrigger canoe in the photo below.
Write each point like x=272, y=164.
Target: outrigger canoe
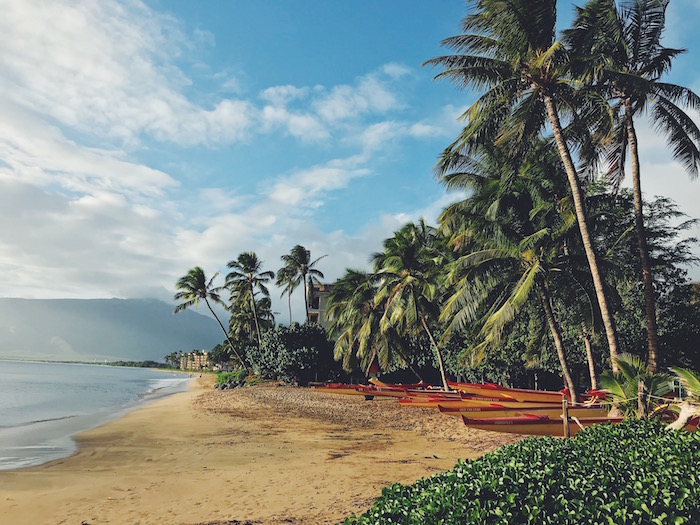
x=339, y=388
x=544, y=410
x=510, y=394
x=466, y=402
x=533, y=425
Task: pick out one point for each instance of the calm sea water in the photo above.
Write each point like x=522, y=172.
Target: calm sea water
x=43, y=404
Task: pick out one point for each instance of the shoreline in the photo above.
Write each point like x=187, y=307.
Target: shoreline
x=34, y=437
x=265, y=454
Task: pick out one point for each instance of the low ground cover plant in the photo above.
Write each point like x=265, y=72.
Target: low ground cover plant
x=637, y=472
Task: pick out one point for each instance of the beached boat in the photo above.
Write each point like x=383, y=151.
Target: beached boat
x=543, y=410
x=433, y=402
x=338, y=388
x=510, y=394
x=534, y=425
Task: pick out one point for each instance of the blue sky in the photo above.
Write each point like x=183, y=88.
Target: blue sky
x=139, y=139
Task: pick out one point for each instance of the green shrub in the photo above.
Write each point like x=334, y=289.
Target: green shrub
x=295, y=354
x=632, y=473
x=233, y=379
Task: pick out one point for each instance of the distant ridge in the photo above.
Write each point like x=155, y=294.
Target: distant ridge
x=99, y=329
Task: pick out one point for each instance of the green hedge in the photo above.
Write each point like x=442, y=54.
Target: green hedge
x=636, y=472
x=233, y=379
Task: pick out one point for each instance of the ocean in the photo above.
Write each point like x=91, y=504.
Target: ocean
x=43, y=404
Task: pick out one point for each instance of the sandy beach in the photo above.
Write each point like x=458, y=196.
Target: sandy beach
x=268, y=454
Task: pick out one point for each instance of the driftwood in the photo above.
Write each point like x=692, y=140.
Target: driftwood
x=688, y=411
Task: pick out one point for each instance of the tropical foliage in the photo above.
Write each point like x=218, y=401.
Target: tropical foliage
x=543, y=272
x=635, y=473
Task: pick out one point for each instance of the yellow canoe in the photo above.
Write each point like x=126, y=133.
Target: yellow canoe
x=532, y=425
x=509, y=394
x=549, y=411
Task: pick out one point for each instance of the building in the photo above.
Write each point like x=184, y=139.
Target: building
x=194, y=360
x=317, y=294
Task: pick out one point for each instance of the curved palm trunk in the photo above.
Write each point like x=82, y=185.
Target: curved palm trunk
x=579, y=206
x=225, y=333
x=558, y=342
x=589, y=358
x=255, y=315
x=437, y=352
x=289, y=303
x=649, y=301
x=306, y=297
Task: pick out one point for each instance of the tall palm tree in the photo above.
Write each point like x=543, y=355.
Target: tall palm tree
x=193, y=287
x=511, y=232
x=247, y=278
x=410, y=273
x=286, y=280
x=355, y=325
x=508, y=48
x=297, y=265
x=242, y=322
x=618, y=48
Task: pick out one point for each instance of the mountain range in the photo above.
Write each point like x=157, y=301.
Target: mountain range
x=100, y=329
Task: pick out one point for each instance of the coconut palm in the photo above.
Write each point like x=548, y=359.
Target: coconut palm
x=286, y=280
x=242, y=322
x=623, y=387
x=510, y=231
x=247, y=279
x=508, y=49
x=410, y=272
x=297, y=266
x=193, y=287
x=355, y=325
x=619, y=49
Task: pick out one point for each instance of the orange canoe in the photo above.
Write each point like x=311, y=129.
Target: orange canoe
x=534, y=425
x=542, y=410
x=509, y=394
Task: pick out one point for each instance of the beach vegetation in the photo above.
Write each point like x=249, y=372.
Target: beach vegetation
x=298, y=267
x=246, y=281
x=236, y=378
x=297, y=354
x=617, y=51
x=194, y=287
x=635, y=472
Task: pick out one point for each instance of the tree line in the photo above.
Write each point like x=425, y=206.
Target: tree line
x=545, y=263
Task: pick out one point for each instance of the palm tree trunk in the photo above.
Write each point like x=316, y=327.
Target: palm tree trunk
x=225, y=332
x=289, y=302
x=558, y=342
x=589, y=357
x=579, y=206
x=649, y=301
x=437, y=352
x=306, y=297
x=255, y=315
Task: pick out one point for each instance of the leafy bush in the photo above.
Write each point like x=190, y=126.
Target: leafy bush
x=636, y=472
x=295, y=354
x=233, y=379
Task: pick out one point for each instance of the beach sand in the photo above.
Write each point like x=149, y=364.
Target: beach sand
x=267, y=454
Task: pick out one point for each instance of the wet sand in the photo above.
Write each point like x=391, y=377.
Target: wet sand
x=265, y=455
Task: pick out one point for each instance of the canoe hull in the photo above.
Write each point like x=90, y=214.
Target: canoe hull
x=535, y=426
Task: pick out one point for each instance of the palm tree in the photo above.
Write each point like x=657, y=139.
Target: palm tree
x=297, y=265
x=623, y=387
x=286, y=280
x=619, y=49
x=355, y=325
x=512, y=233
x=410, y=273
x=193, y=287
x=247, y=279
x=508, y=48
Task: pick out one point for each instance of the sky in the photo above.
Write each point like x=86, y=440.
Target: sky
x=139, y=139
